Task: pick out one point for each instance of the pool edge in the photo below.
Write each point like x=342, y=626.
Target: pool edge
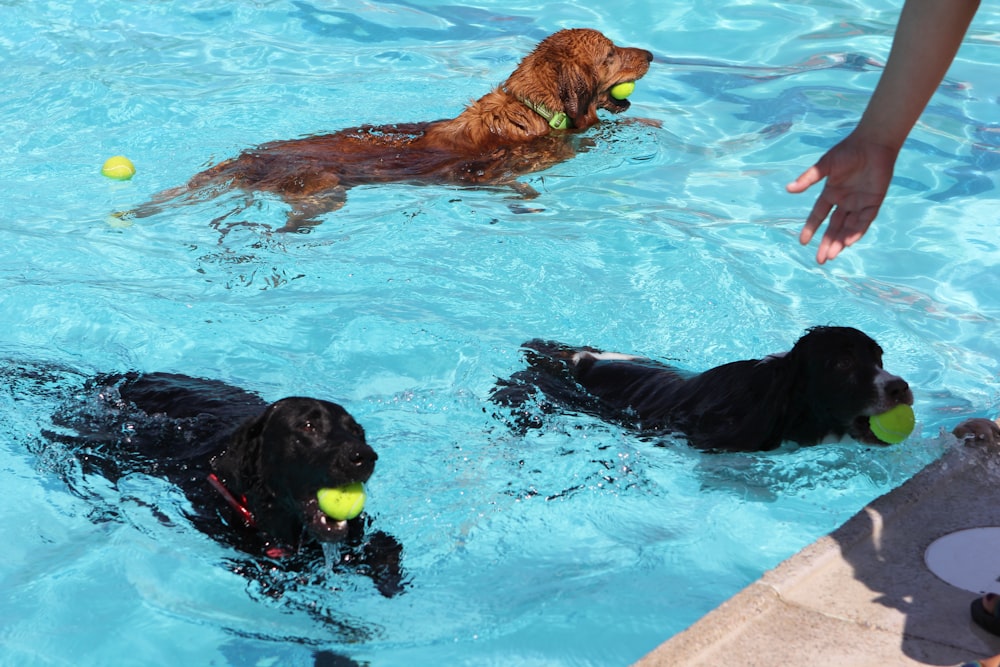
x=861, y=595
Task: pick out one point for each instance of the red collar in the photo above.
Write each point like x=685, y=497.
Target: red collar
x=240, y=505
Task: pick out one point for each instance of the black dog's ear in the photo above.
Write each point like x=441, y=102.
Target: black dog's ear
x=243, y=453
x=577, y=94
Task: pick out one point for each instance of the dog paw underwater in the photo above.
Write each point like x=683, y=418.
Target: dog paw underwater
x=527, y=124
x=281, y=484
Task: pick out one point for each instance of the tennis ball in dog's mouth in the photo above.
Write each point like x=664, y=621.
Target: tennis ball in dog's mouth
x=343, y=502
x=893, y=425
x=622, y=90
x=119, y=168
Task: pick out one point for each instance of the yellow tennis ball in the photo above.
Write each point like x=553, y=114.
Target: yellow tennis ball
x=343, y=502
x=893, y=425
x=622, y=90
x=119, y=168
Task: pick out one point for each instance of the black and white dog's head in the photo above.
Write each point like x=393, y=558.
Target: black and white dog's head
x=842, y=383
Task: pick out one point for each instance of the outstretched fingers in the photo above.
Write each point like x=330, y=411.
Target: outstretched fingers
x=820, y=210
x=806, y=179
x=845, y=229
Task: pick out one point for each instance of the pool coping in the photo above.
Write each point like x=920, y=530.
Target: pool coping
x=861, y=595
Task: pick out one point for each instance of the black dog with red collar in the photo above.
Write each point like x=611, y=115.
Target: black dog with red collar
x=250, y=470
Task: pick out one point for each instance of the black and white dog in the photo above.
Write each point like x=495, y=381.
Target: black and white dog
x=824, y=388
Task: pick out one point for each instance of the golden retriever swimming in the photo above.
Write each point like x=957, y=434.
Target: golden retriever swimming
x=523, y=125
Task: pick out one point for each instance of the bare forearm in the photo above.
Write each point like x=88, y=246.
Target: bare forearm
x=927, y=39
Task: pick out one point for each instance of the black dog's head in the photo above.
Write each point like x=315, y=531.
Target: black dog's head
x=278, y=461
x=843, y=383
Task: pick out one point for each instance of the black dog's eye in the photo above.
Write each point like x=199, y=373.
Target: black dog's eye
x=307, y=427
x=352, y=427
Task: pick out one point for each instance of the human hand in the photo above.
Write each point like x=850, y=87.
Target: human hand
x=857, y=174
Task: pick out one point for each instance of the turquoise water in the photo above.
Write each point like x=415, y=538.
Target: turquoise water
x=579, y=544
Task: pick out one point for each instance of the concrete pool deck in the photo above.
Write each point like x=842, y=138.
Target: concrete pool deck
x=862, y=595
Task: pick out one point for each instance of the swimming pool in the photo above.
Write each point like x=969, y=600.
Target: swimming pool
x=579, y=544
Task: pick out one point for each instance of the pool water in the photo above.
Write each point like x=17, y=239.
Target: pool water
x=578, y=543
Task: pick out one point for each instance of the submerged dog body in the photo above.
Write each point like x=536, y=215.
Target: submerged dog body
x=516, y=128
x=250, y=470
x=823, y=389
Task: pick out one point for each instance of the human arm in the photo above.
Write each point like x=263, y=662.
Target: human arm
x=858, y=169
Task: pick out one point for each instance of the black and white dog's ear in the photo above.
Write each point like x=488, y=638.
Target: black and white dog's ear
x=732, y=430
x=739, y=407
x=756, y=430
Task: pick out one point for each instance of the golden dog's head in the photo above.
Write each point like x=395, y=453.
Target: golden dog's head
x=573, y=71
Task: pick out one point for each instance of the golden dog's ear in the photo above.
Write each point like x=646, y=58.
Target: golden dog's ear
x=578, y=94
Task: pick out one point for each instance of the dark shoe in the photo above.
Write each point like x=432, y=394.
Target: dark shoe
x=986, y=620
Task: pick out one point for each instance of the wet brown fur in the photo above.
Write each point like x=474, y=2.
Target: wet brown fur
x=495, y=139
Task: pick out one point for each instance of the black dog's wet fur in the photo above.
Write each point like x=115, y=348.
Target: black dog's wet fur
x=822, y=388
x=182, y=429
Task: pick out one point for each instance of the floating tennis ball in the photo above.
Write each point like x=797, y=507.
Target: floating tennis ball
x=119, y=168
x=893, y=425
x=622, y=90
x=343, y=502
